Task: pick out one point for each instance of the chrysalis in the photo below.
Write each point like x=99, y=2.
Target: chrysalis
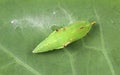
x=60, y=38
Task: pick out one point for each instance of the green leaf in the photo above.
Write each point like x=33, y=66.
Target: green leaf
x=25, y=23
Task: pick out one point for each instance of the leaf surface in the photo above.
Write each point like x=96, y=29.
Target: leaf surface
x=25, y=23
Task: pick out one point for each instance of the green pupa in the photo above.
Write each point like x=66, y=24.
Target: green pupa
x=60, y=38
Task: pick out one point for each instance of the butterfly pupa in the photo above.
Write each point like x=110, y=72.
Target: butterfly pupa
x=60, y=38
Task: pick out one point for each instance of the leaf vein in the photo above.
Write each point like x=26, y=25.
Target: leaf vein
x=103, y=44
x=71, y=61
x=19, y=61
